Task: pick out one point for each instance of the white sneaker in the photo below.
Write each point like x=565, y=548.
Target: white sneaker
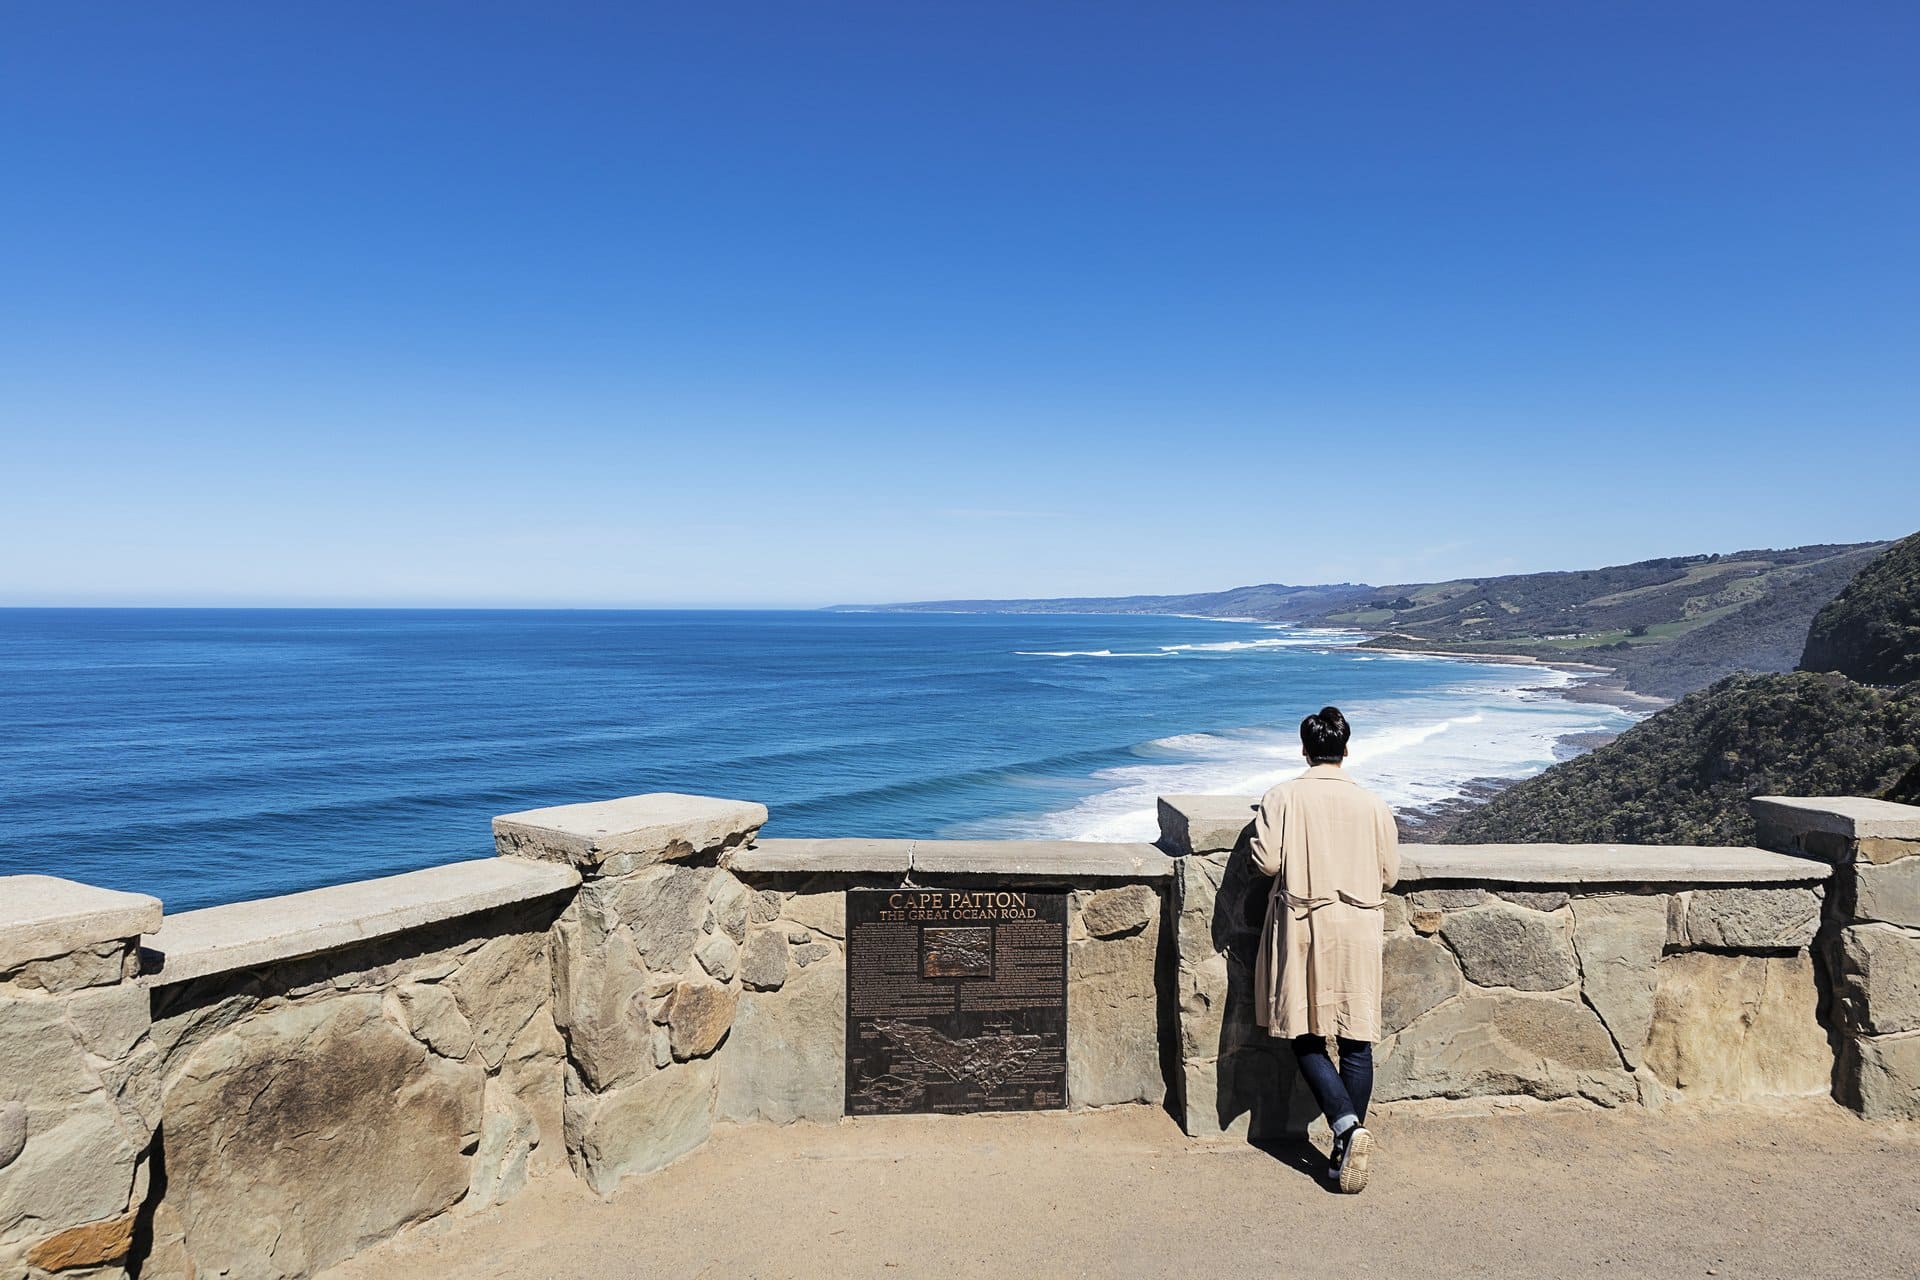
x=1351, y=1172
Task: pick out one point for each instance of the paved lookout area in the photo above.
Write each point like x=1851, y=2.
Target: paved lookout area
x=1805, y=1190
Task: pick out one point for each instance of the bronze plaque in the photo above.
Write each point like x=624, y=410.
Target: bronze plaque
x=956, y=1000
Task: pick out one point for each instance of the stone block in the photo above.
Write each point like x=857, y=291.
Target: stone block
x=663, y=908
x=74, y=1145
x=718, y=956
x=13, y=1131
x=613, y=837
x=763, y=963
x=1502, y=1045
x=1196, y=888
x=1878, y=851
x=1744, y=918
x=1108, y=913
x=44, y=916
x=642, y=1126
x=1207, y=992
x=1419, y=974
x=824, y=913
x=1879, y=971
x=501, y=987
x=1888, y=892
x=96, y=1244
x=1446, y=899
x=311, y=1131
x=1880, y=1076
x=1537, y=900
x=508, y=1134
x=534, y=1069
x=431, y=1014
x=1506, y=946
x=99, y=965
x=698, y=1015
x=1738, y=1026
x=732, y=903
x=1113, y=1034
x=786, y=1055
x=1619, y=939
x=600, y=1002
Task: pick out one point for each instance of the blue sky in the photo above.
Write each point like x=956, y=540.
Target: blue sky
x=798, y=303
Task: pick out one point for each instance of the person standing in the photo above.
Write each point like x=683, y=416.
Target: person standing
x=1333, y=850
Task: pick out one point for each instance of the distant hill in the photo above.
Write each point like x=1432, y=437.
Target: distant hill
x=1270, y=602
x=1665, y=627
x=1685, y=774
x=1871, y=631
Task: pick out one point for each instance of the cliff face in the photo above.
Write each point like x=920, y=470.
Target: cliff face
x=1871, y=631
x=1847, y=724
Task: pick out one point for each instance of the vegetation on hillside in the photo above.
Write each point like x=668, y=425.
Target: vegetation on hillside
x=1665, y=627
x=1871, y=631
x=1683, y=776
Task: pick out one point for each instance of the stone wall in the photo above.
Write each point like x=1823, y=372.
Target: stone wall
x=1869, y=938
x=1609, y=973
x=265, y=1088
x=314, y=1106
x=76, y=1122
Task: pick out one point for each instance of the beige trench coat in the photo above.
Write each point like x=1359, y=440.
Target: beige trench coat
x=1332, y=848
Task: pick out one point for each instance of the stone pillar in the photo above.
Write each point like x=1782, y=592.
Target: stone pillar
x=646, y=968
x=1234, y=1079
x=75, y=1126
x=1870, y=938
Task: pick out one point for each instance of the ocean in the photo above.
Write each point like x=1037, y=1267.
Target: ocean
x=211, y=756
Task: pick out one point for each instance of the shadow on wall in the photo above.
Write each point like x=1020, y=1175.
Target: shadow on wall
x=1257, y=1077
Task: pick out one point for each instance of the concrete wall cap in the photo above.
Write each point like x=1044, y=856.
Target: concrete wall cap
x=1203, y=824
x=885, y=857
x=242, y=935
x=1576, y=864
x=43, y=917
x=1853, y=816
x=1067, y=859
x=657, y=825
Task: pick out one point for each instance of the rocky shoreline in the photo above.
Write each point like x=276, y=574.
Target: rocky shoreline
x=1430, y=824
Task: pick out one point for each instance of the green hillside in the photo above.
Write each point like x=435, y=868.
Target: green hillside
x=1665, y=627
x=1683, y=776
x=1871, y=631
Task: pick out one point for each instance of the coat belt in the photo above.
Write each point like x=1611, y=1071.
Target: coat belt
x=1298, y=903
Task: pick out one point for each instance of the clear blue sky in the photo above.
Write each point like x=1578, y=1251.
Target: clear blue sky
x=807, y=302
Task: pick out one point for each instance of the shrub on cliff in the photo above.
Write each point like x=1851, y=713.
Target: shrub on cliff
x=1871, y=630
x=1683, y=776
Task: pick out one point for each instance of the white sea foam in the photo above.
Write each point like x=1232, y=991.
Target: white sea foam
x=1413, y=750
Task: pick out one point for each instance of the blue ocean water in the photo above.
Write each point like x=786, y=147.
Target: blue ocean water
x=211, y=756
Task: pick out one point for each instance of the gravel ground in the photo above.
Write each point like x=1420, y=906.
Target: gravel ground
x=1807, y=1190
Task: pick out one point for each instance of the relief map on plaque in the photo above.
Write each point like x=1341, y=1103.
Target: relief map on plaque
x=956, y=1000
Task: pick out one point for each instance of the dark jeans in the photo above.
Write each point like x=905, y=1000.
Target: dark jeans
x=1342, y=1092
